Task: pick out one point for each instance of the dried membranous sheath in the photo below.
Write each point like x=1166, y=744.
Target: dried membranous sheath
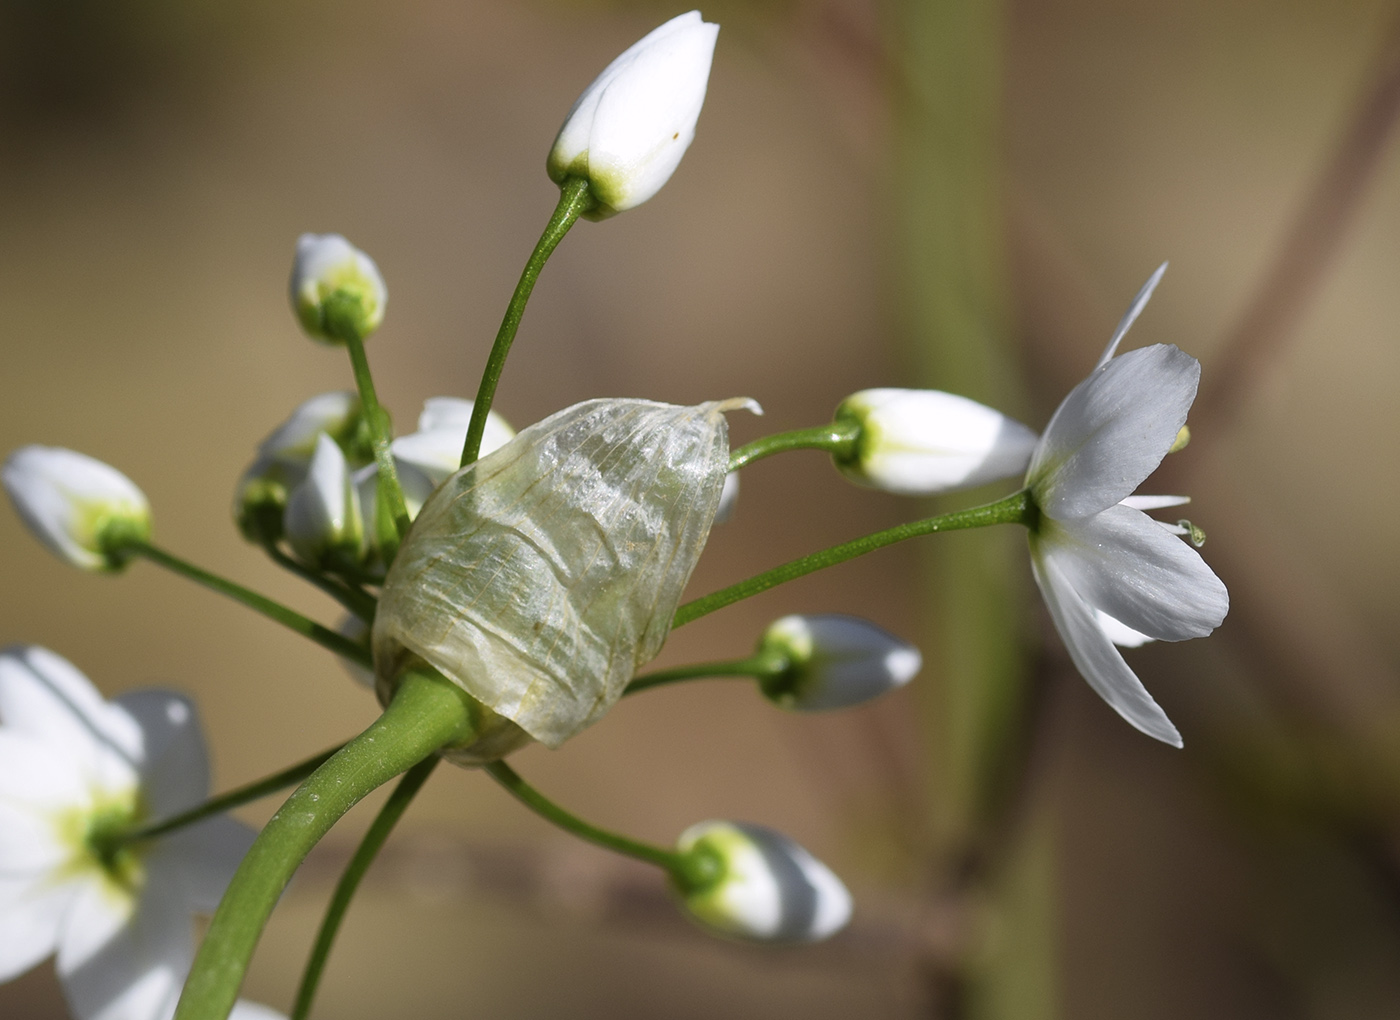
x=539, y=578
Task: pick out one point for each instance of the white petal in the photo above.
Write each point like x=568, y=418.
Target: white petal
x=200, y=860
x=323, y=511
x=137, y=972
x=1094, y=655
x=1112, y=431
x=44, y=694
x=1130, y=316
x=30, y=920
x=175, y=773
x=295, y=439
x=40, y=775
x=100, y=910
x=1125, y=563
x=1153, y=502
x=1119, y=632
x=728, y=497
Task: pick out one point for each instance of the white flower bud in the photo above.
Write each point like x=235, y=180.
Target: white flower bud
x=336, y=286
x=728, y=497
x=923, y=442
x=766, y=887
x=82, y=509
x=834, y=661
x=628, y=130
x=323, y=522
x=540, y=577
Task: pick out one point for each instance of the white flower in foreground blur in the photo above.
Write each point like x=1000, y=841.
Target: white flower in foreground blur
x=628, y=130
x=82, y=509
x=1093, y=553
x=75, y=770
x=331, y=277
x=765, y=888
x=924, y=442
x=834, y=661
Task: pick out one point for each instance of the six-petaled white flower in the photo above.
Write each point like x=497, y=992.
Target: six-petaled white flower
x=75, y=771
x=629, y=129
x=84, y=510
x=1107, y=570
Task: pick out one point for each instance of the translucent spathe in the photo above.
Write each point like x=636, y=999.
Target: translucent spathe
x=627, y=132
x=924, y=442
x=540, y=577
x=834, y=661
x=768, y=889
x=82, y=509
x=1108, y=572
x=329, y=267
x=72, y=766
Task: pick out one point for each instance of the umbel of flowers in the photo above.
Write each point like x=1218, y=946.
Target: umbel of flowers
x=505, y=588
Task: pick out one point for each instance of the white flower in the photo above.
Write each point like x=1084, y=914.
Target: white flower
x=75, y=770
x=834, y=661
x=1095, y=554
x=82, y=509
x=923, y=442
x=322, y=520
x=765, y=886
x=628, y=130
x=331, y=277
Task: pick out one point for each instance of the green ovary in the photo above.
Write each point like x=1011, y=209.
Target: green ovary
x=90, y=833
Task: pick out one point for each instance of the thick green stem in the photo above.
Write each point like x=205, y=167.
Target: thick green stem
x=227, y=801
x=389, y=493
x=427, y=714
x=574, y=200
x=676, y=864
x=838, y=439
x=365, y=854
x=290, y=618
x=760, y=665
x=1014, y=509
x=356, y=600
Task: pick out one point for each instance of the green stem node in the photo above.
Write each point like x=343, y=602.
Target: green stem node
x=289, y=618
x=365, y=854
x=575, y=199
x=1014, y=509
x=838, y=439
x=427, y=714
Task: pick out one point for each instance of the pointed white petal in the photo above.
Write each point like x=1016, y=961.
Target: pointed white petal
x=1130, y=316
x=1094, y=655
x=200, y=860
x=295, y=439
x=99, y=911
x=44, y=694
x=1125, y=563
x=175, y=772
x=39, y=776
x=1112, y=431
x=137, y=971
x=1154, y=502
x=30, y=920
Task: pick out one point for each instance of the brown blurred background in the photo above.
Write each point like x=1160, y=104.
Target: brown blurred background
x=879, y=194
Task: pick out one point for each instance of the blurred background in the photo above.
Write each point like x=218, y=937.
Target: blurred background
x=957, y=194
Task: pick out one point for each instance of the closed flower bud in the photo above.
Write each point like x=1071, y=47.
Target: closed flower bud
x=336, y=287
x=82, y=509
x=323, y=523
x=833, y=661
x=540, y=577
x=284, y=457
x=923, y=442
x=627, y=132
x=728, y=498
x=757, y=884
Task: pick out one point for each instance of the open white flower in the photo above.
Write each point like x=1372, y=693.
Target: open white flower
x=925, y=442
x=75, y=770
x=628, y=130
x=766, y=887
x=1094, y=553
x=82, y=509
